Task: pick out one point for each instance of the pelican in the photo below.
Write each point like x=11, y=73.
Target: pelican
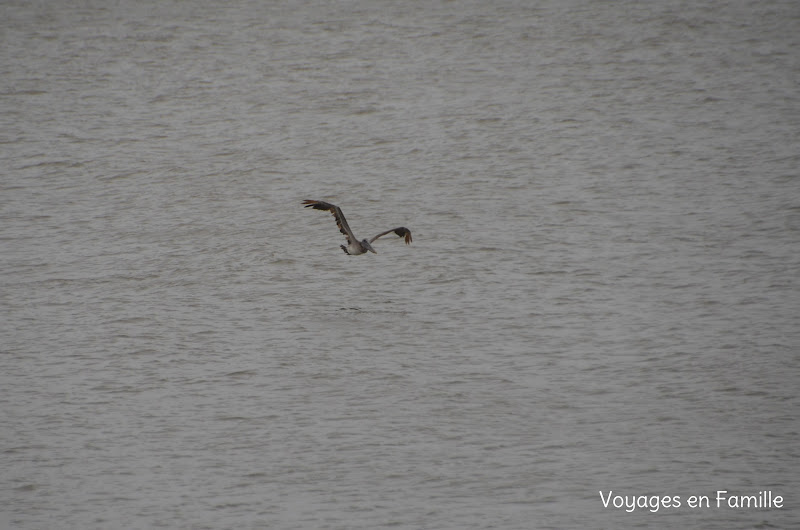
x=354, y=246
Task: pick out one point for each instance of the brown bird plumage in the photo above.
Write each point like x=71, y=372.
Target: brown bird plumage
x=354, y=246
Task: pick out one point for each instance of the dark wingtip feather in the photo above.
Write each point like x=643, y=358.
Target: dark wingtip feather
x=317, y=205
x=403, y=231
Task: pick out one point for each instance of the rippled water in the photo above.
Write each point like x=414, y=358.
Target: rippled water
x=601, y=294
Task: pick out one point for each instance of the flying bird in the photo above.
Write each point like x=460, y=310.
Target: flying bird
x=354, y=246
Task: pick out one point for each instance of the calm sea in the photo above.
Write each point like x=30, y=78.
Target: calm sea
x=600, y=303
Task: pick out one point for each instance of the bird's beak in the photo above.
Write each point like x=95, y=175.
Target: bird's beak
x=372, y=250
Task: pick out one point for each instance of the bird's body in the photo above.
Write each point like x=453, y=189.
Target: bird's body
x=357, y=247
x=354, y=246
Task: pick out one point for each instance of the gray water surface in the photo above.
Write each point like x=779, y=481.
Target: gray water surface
x=601, y=295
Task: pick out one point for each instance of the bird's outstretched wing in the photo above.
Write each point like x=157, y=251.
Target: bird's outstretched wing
x=337, y=214
x=401, y=231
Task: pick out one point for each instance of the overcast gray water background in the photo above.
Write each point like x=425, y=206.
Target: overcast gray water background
x=602, y=292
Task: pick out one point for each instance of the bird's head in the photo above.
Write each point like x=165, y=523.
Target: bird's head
x=368, y=246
